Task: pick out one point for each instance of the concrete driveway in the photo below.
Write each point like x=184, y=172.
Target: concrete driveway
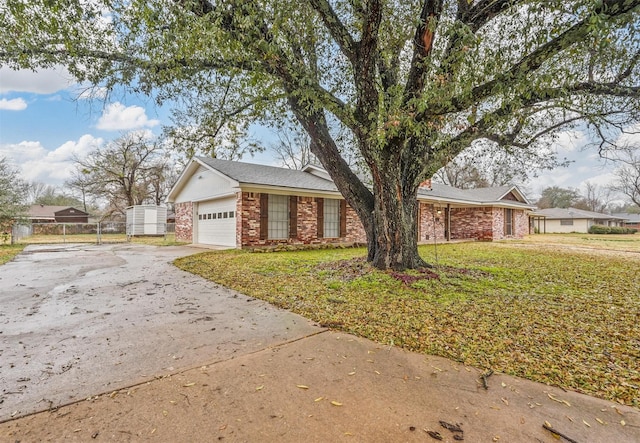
x=79, y=320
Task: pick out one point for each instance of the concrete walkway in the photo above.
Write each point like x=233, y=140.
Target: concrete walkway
x=250, y=373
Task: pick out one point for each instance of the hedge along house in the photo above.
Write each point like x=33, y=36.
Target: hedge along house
x=244, y=205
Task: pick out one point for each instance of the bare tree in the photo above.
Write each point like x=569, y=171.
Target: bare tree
x=627, y=179
x=595, y=198
x=293, y=149
x=128, y=171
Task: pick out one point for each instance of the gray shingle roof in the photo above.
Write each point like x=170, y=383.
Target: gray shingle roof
x=255, y=174
x=478, y=195
x=249, y=173
x=629, y=216
x=572, y=213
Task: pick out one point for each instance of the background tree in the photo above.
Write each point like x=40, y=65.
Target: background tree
x=556, y=197
x=44, y=194
x=486, y=164
x=80, y=184
x=293, y=149
x=627, y=179
x=130, y=170
x=414, y=82
x=595, y=198
x=13, y=195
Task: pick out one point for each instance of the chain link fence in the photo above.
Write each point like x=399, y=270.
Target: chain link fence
x=98, y=233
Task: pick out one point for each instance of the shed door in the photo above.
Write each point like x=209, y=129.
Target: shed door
x=216, y=221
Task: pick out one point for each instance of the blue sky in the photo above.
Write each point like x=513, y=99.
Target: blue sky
x=44, y=122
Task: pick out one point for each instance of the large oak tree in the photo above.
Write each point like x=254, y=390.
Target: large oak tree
x=414, y=82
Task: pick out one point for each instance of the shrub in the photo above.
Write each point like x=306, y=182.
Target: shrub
x=600, y=229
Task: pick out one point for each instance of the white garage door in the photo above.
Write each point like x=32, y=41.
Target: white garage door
x=217, y=222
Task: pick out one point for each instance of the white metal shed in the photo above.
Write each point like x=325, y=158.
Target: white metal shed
x=146, y=220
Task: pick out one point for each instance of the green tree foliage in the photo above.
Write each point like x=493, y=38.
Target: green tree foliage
x=43, y=194
x=557, y=197
x=13, y=195
x=413, y=82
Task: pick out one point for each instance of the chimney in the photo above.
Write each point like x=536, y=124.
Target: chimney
x=426, y=184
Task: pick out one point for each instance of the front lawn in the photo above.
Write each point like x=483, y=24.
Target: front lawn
x=566, y=317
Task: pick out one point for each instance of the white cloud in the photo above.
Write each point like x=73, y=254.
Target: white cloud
x=570, y=141
x=45, y=81
x=117, y=117
x=36, y=163
x=15, y=104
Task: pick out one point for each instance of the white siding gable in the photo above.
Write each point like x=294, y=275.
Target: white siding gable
x=205, y=184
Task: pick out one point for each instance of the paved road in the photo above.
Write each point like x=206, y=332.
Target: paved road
x=79, y=320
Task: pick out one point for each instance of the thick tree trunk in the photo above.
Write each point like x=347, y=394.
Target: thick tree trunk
x=395, y=241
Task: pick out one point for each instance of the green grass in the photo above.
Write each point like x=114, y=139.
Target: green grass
x=7, y=252
x=558, y=311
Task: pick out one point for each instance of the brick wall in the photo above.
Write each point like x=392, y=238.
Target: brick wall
x=521, y=223
x=307, y=232
x=430, y=223
x=472, y=223
x=184, y=221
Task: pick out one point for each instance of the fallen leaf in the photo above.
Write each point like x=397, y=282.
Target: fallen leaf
x=586, y=423
x=599, y=421
x=623, y=423
x=503, y=384
x=165, y=413
x=319, y=398
x=303, y=386
x=505, y=401
x=335, y=403
x=259, y=388
x=433, y=434
x=222, y=428
x=187, y=385
x=558, y=400
x=352, y=373
x=547, y=424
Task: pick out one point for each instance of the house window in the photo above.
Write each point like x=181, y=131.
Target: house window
x=230, y=214
x=278, y=216
x=331, y=218
x=508, y=221
x=566, y=222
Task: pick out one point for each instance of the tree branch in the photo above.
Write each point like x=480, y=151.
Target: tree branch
x=336, y=28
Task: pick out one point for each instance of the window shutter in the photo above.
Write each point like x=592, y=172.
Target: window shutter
x=293, y=216
x=343, y=218
x=320, y=210
x=264, y=216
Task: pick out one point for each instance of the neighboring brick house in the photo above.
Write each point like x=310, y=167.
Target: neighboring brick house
x=56, y=214
x=631, y=220
x=243, y=205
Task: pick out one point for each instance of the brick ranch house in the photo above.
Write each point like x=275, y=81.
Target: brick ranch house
x=244, y=205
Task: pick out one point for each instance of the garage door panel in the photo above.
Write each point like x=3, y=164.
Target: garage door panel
x=217, y=222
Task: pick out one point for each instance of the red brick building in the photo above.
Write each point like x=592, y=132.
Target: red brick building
x=243, y=205
x=56, y=214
